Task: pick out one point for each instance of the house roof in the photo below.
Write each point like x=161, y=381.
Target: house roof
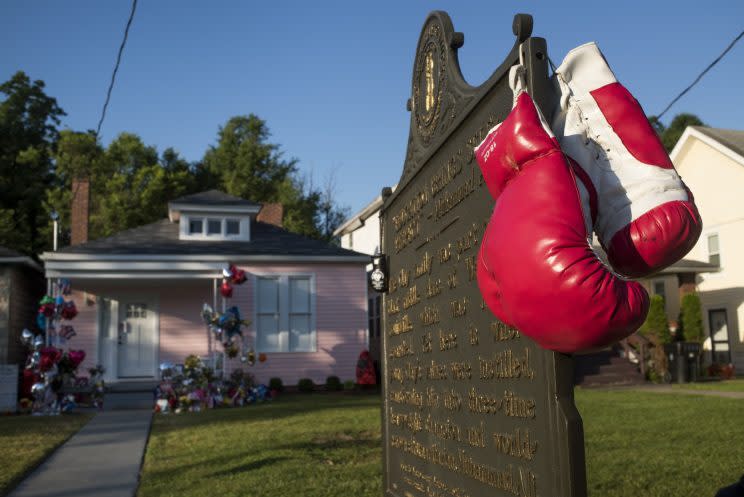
x=731, y=138
x=161, y=238
x=9, y=256
x=681, y=266
x=214, y=198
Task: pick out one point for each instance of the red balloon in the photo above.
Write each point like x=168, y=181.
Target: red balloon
x=226, y=290
x=76, y=357
x=49, y=356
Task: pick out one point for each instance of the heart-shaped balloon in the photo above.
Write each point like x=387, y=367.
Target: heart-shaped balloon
x=47, y=310
x=46, y=299
x=238, y=275
x=69, y=311
x=76, y=357
x=49, y=356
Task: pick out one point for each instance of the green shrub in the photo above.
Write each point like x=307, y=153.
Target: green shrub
x=333, y=383
x=305, y=385
x=691, y=319
x=349, y=385
x=656, y=325
x=276, y=384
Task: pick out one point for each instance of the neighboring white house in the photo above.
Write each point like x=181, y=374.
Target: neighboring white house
x=361, y=233
x=711, y=163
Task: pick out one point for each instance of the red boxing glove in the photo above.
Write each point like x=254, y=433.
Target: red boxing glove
x=647, y=217
x=536, y=269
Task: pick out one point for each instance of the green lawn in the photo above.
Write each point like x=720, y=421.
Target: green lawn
x=303, y=445
x=722, y=386
x=637, y=444
x=654, y=445
x=27, y=440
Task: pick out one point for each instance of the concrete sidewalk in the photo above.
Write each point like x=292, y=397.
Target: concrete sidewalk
x=103, y=459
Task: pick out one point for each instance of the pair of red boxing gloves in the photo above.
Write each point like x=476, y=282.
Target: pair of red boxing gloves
x=598, y=167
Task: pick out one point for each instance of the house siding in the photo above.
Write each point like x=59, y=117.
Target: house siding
x=717, y=181
x=340, y=319
x=20, y=290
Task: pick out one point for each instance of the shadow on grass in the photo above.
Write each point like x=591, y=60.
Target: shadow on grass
x=268, y=461
x=283, y=407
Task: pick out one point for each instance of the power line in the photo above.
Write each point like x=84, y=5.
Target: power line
x=710, y=66
x=116, y=68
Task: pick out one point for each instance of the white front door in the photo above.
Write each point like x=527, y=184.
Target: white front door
x=137, y=338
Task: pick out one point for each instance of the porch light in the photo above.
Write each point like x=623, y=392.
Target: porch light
x=378, y=278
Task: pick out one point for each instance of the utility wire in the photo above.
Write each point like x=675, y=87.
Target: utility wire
x=116, y=67
x=710, y=66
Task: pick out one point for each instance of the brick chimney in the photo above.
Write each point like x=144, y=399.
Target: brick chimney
x=271, y=214
x=80, y=208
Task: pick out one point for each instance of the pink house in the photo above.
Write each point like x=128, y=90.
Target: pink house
x=140, y=292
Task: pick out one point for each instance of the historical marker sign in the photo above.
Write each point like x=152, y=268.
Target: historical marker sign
x=471, y=407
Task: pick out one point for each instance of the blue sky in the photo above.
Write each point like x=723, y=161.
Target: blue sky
x=332, y=78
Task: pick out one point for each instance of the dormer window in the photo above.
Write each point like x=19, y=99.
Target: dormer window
x=214, y=226
x=232, y=227
x=196, y=226
x=213, y=216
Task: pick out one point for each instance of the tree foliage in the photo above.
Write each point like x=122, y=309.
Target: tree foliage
x=656, y=324
x=28, y=135
x=691, y=318
x=671, y=135
x=130, y=182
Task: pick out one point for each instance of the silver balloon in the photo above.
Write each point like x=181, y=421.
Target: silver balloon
x=226, y=272
x=38, y=390
x=27, y=336
x=243, y=359
x=164, y=366
x=38, y=342
x=33, y=360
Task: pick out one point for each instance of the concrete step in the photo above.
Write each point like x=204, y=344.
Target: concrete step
x=132, y=386
x=114, y=401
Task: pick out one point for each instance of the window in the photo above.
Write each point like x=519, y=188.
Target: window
x=214, y=227
x=195, y=226
x=659, y=288
x=285, y=314
x=714, y=255
x=719, y=336
x=232, y=227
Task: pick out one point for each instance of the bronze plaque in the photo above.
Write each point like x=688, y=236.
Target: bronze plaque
x=471, y=406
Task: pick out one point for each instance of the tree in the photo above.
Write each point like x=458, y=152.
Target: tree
x=691, y=318
x=330, y=215
x=670, y=135
x=130, y=183
x=28, y=134
x=656, y=324
x=245, y=164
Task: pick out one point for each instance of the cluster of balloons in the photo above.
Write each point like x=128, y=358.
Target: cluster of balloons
x=231, y=275
x=48, y=367
x=192, y=387
x=226, y=327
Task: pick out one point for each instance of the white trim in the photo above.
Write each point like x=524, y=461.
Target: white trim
x=283, y=307
x=176, y=208
x=710, y=141
x=71, y=256
x=357, y=220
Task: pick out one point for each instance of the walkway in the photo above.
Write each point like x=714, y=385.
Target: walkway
x=102, y=460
